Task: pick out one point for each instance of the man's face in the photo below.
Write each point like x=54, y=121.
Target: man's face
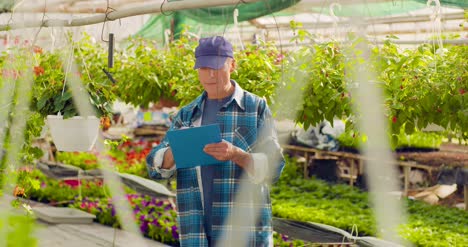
x=216, y=82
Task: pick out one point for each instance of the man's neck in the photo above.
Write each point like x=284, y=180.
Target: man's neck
x=224, y=92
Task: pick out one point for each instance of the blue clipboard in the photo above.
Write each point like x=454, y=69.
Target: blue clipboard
x=187, y=145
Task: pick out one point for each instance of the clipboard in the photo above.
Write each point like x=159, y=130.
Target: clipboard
x=187, y=145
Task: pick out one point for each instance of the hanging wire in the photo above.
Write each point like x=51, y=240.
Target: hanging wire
x=42, y=24
x=436, y=29
x=279, y=38
x=10, y=20
x=69, y=64
x=436, y=23
x=322, y=7
x=373, y=24
x=108, y=11
x=227, y=16
x=236, y=27
x=336, y=19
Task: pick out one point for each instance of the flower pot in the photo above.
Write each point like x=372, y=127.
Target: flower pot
x=73, y=134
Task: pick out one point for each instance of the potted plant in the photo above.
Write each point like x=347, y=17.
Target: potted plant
x=52, y=95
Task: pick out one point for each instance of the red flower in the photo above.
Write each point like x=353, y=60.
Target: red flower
x=394, y=119
x=461, y=91
x=19, y=191
x=38, y=70
x=37, y=49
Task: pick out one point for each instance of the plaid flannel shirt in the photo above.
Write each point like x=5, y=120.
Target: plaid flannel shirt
x=246, y=122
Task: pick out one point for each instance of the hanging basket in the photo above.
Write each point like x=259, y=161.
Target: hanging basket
x=73, y=134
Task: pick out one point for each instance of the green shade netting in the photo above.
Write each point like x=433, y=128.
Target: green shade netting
x=218, y=20
x=384, y=8
x=449, y=3
x=209, y=21
x=372, y=9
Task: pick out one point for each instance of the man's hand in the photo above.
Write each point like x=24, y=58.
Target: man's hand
x=168, y=161
x=225, y=150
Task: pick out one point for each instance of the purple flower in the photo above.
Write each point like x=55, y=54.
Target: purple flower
x=145, y=203
x=156, y=223
x=142, y=217
x=159, y=203
x=113, y=212
x=175, y=234
x=144, y=226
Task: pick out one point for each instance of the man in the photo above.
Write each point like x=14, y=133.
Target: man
x=206, y=195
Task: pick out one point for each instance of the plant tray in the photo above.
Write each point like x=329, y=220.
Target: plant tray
x=63, y=215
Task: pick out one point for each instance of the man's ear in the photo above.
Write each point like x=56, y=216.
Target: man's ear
x=233, y=65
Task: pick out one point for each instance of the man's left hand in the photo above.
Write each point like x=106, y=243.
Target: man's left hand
x=225, y=150
x=222, y=151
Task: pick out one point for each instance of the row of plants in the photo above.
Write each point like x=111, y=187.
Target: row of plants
x=310, y=84
x=128, y=156
x=421, y=86
x=293, y=198
x=345, y=207
x=156, y=217
x=420, y=140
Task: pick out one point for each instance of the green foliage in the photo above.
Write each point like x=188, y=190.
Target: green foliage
x=125, y=157
x=281, y=240
x=430, y=225
x=343, y=207
x=146, y=74
x=420, y=86
x=259, y=69
x=59, y=192
x=351, y=139
x=83, y=160
x=419, y=139
x=316, y=201
x=20, y=230
x=156, y=218
x=310, y=84
x=51, y=96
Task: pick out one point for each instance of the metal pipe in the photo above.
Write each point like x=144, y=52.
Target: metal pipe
x=396, y=41
x=127, y=12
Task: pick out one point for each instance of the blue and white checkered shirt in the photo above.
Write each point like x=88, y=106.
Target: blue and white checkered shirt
x=245, y=121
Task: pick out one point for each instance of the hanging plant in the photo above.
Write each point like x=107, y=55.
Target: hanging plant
x=52, y=95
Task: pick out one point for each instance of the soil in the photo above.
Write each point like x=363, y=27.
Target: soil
x=449, y=154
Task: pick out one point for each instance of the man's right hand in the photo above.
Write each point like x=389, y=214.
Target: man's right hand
x=168, y=161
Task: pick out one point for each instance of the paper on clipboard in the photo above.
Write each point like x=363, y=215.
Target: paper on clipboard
x=187, y=145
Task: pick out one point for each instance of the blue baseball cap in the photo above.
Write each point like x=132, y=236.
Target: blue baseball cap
x=212, y=52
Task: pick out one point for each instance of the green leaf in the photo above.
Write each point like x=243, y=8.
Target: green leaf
x=41, y=103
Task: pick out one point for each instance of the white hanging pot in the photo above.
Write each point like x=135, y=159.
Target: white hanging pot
x=73, y=134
